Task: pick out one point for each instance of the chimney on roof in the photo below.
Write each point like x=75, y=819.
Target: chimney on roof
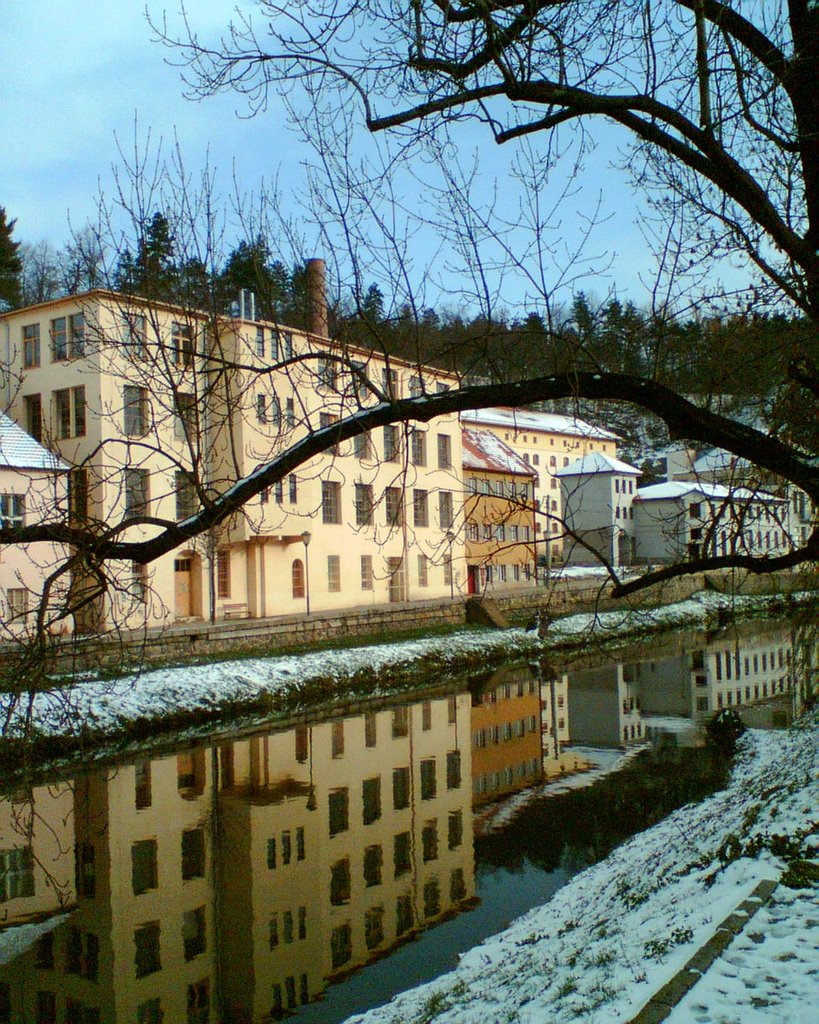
x=317, y=319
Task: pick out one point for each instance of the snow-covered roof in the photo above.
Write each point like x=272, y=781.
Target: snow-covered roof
x=596, y=462
x=718, y=492
x=531, y=419
x=19, y=450
x=718, y=460
x=484, y=450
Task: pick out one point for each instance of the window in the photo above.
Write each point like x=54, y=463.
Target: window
x=12, y=511
x=223, y=573
x=290, y=412
x=186, y=499
x=394, y=506
x=137, y=482
x=366, y=572
x=330, y=501
x=695, y=510
x=472, y=530
x=16, y=873
x=444, y=451
x=76, y=335
x=198, y=1000
x=59, y=339
x=423, y=571
x=292, y=488
x=34, y=416
x=86, y=869
x=401, y=852
x=445, y=509
x=418, y=451
x=46, y=1009
x=143, y=866
x=31, y=345
x=339, y=811
x=389, y=383
x=287, y=345
x=363, y=446
x=260, y=342
x=261, y=408
x=146, y=941
x=193, y=932
x=428, y=783
x=327, y=419
x=400, y=788
x=400, y=722
x=327, y=373
x=363, y=504
x=181, y=344
x=184, y=425
x=297, y=578
x=133, y=335
x=333, y=573
x=371, y=799
x=420, y=507
x=429, y=841
x=135, y=411
x=391, y=447
x=193, y=853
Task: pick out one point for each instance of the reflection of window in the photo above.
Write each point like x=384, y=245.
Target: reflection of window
x=341, y=945
x=401, y=853
x=453, y=769
x=339, y=811
x=455, y=830
x=432, y=898
x=16, y=873
x=400, y=721
x=400, y=788
x=457, y=885
x=143, y=866
x=340, y=882
x=374, y=927
x=146, y=941
x=373, y=860
x=142, y=784
x=429, y=841
x=371, y=798
x=193, y=853
x=403, y=914
x=428, y=783
x=193, y=932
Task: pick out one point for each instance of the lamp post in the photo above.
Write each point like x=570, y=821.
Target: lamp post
x=305, y=539
x=450, y=536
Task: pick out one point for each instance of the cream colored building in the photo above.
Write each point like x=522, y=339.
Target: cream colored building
x=546, y=441
x=157, y=408
x=33, y=490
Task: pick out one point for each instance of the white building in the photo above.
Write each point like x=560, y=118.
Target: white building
x=598, y=491
x=681, y=519
x=33, y=489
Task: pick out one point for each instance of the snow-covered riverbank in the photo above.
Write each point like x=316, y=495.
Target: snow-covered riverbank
x=617, y=932
x=229, y=688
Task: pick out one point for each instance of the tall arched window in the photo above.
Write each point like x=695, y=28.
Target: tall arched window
x=298, y=578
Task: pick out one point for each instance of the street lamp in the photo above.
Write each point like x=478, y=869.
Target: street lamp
x=450, y=536
x=305, y=539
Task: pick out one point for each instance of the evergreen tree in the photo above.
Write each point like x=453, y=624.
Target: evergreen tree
x=152, y=272
x=11, y=265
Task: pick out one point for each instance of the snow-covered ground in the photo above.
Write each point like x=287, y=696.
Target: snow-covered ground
x=620, y=930
x=109, y=706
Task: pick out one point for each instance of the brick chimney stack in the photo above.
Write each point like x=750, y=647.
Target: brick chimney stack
x=317, y=318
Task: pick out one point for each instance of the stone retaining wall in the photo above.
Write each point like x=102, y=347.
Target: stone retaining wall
x=265, y=636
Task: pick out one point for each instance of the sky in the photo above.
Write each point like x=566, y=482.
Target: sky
x=75, y=79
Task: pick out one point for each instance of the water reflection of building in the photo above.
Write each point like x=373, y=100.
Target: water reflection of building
x=252, y=875
x=729, y=671
x=605, y=706
x=364, y=825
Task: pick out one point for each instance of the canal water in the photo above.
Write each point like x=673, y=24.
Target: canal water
x=316, y=870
